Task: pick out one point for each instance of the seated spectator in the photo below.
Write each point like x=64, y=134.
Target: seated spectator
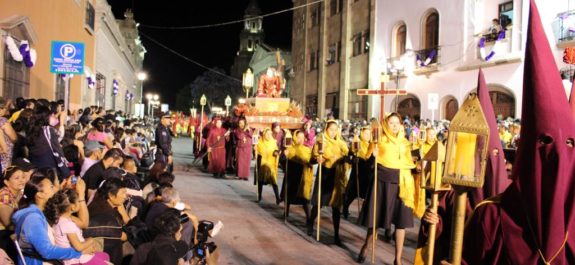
x=152, y=190
x=27, y=168
x=74, y=136
x=31, y=227
x=107, y=216
x=59, y=212
x=72, y=155
x=95, y=174
x=12, y=185
x=94, y=153
x=167, y=248
x=170, y=199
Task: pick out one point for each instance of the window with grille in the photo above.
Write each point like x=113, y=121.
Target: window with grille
x=100, y=89
x=90, y=17
x=16, y=80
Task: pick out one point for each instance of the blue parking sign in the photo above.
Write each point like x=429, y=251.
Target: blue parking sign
x=67, y=58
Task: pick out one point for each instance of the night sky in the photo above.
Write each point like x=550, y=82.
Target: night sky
x=212, y=47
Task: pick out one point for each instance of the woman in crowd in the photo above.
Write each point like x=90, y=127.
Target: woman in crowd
x=362, y=169
x=330, y=151
x=268, y=167
x=299, y=174
x=395, y=187
x=97, y=134
x=243, y=136
x=74, y=136
x=31, y=227
x=12, y=185
x=7, y=136
x=43, y=141
x=107, y=216
x=59, y=212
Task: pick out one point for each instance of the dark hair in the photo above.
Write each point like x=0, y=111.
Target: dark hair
x=110, y=186
x=59, y=204
x=394, y=114
x=8, y=173
x=49, y=172
x=98, y=124
x=168, y=223
x=40, y=119
x=114, y=153
x=166, y=178
x=158, y=168
x=20, y=103
x=31, y=189
x=72, y=154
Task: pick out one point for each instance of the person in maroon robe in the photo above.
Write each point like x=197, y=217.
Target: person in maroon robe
x=216, y=144
x=496, y=181
x=244, y=145
x=529, y=223
x=308, y=132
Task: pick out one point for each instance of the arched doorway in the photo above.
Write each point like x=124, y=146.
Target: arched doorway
x=451, y=106
x=503, y=103
x=409, y=105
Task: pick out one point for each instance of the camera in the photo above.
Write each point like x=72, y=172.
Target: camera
x=184, y=218
x=204, y=227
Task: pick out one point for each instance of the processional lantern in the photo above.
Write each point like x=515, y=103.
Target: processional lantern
x=465, y=163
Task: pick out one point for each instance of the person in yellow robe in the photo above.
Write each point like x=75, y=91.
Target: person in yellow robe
x=334, y=180
x=362, y=169
x=430, y=139
x=396, y=190
x=299, y=174
x=268, y=163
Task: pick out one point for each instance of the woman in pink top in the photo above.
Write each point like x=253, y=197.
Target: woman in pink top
x=97, y=134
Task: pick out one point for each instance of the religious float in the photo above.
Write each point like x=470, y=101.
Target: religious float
x=268, y=106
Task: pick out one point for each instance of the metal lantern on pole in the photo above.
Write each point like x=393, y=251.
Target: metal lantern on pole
x=465, y=163
x=431, y=179
x=203, y=102
x=228, y=103
x=248, y=81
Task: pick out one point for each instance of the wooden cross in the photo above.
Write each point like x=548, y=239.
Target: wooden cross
x=381, y=92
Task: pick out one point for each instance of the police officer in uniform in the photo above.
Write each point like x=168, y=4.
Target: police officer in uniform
x=164, y=141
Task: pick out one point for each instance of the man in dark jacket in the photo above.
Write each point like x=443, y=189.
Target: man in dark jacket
x=164, y=141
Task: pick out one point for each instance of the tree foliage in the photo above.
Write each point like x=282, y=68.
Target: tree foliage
x=216, y=88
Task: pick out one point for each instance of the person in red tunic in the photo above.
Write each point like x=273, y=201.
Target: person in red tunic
x=243, y=135
x=269, y=84
x=216, y=144
x=533, y=221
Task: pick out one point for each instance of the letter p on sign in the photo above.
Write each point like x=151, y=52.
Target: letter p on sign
x=68, y=51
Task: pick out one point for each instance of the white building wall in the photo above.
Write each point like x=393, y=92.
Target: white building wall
x=459, y=24
x=112, y=62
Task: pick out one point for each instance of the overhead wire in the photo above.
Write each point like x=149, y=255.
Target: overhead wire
x=188, y=59
x=229, y=22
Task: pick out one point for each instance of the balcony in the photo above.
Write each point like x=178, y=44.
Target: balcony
x=564, y=29
x=427, y=60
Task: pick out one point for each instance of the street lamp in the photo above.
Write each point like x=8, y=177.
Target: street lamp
x=153, y=99
x=248, y=81
x=397, y=68
x=142, y=76
x=228, y=103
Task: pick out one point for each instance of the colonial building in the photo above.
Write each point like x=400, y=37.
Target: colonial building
x=251, y=35
x=331, y=50
x=266, y=56
x=70, y=20
x=119, y=56
x=113, y=53
x=435, y=47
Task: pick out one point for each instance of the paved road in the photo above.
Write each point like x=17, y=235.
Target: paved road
x=256, y=233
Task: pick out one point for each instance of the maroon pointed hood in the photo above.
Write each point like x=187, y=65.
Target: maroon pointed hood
x=544, y=169
x=496, y=178
x=572, y=98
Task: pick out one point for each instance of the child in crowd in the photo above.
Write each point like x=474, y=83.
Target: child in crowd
x=59, y=213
